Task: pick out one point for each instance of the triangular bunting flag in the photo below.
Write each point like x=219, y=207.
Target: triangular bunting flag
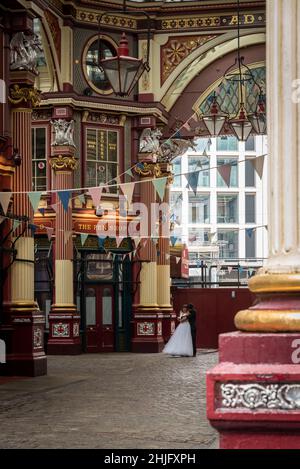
x=101, y=240
x=192, y=179
x=167, y=256
x=16, y=224
x=229, y=268
x=64, y=198
x=42, y=211
x=119, y=240
x=225, y=172
x=186, y=126
x=4, y=200
x=81, y=198
x=127, y=190
x=211, y=236
x=173, y=240
x=136, y=242
x=35, y=198
x=83, y=238
x=32, y=227
x=55, y=207
x=258, y=164
x=250, y=272
x=49, y=231
x=1, y=219
x=95, y=193
x=160, y=186
x=129, y=172
x=241, y=269
x=177, y=259
x=249, y=232
x=67, y=235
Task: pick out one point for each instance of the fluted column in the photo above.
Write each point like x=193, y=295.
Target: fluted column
x=278, y=283
x=147, y=335
x=28, y=355
x=64, y=320
x=163, y=258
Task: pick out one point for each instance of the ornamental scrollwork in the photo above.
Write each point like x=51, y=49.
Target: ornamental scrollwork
x=261, y=396
x=27, y=94
x=63, y=162
x=148, y=169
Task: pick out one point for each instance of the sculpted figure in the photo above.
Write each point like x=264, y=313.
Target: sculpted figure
x=149, y=141
x=63, y=132
x=24, y=51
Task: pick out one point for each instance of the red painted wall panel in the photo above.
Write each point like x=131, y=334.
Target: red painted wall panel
x=216, y=308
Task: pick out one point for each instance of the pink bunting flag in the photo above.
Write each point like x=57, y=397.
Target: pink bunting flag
x=229, y=269
x=4, y=200
x=225, y=172
x=136, y=242
x=49, y=231
x=55, y=207
x=186, y=126
x=95, y=193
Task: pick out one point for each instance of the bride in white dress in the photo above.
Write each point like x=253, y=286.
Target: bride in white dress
x=181, y=342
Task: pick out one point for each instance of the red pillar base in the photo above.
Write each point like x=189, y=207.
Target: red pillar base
x=168, y=323
x=23, y=335
x=253, y=394
x=147, y=331
x=64, y=331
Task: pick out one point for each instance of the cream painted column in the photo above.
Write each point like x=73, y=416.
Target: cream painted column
x=281, y=274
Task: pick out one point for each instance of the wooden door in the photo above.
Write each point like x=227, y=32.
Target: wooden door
x=99, y=310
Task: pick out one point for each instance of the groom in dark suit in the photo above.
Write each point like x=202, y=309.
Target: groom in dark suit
x=192, y=321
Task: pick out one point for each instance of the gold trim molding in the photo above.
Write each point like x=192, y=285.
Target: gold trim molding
x=148, y=169
x=252, y=320
x=272, y=283
x=60, y=162
x=27, y=94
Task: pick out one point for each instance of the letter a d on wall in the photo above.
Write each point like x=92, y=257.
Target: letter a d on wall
x=2, y=351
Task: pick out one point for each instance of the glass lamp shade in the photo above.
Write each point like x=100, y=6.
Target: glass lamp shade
x=258, y=119
x=123, y=73
x=241, y=125
x=214, y=119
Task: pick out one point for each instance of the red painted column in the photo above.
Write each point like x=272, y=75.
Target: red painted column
x=147, y=332
x=26, y=348
x=64, y=319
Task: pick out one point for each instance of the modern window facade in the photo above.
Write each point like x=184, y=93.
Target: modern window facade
x=220, y=221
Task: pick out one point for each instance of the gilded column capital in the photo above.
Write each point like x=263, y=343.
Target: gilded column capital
x=63, y=162
x=148, y=169
x=29, y=95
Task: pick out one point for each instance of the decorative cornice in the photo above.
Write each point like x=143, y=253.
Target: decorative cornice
x=27, y=94
x=136, y=110
x=59, y=163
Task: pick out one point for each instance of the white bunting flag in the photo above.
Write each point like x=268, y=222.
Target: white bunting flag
x=127, y=190
x=177, y=259
x=4, y=200
x=119, y=240
x=258, y=164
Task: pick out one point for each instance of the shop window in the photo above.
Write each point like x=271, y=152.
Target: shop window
x=249, y=174
x=228, y=242
x=250, y=208
x=227, y=144
x=250, y=143
x=201, y=163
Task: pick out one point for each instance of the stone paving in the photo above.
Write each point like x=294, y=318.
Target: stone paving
x=110, y=401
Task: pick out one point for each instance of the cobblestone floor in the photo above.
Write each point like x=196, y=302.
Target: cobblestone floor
x=110, y=401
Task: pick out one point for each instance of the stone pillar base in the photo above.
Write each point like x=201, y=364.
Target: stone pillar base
x=147, y=330
x=64, y=331
x=24, y=341
x=253, y=394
